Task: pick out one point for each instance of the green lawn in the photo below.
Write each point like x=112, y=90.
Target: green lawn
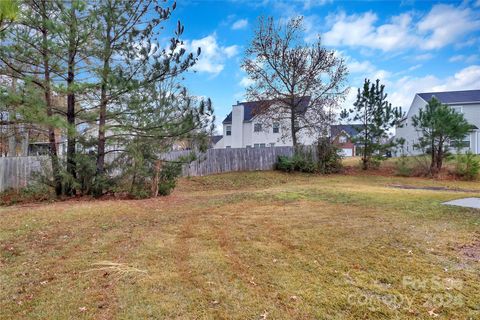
x=248, y=246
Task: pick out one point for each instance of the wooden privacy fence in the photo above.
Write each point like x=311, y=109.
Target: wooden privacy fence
x=17, y=172
x=232, y=159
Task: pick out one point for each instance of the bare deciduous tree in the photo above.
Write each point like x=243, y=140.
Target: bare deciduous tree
x=301, y=84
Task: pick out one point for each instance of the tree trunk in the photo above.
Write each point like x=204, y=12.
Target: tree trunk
x=433, y=157
x=48, y=101
x=292, y=125
x=156, y=178
x=100, y=170
x=71, y=140
x=440, y=156
x=365, y=159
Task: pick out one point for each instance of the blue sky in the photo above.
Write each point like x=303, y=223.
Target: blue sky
x=411, y=46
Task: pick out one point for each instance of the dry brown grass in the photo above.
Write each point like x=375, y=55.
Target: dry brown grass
x=247, y=246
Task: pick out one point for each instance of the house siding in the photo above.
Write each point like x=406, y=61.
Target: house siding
x=243, y=133
x=348, y=148
x=408, y=132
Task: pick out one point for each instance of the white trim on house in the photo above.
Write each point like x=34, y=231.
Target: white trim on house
x=477, y=141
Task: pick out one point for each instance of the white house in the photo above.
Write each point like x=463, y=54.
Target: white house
x=242, y=128
x=466, y=102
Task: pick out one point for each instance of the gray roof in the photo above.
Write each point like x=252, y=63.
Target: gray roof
x=215, y=139
x=453, y=97
x=251, y=108
x=351, y=129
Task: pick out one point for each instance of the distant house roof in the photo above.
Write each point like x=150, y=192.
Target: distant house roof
x=250, y=108
x=453, y=97
x=351, y=129
x=215, y=139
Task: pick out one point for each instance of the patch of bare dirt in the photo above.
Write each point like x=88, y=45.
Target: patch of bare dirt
x=382, y=171
x=471, y=251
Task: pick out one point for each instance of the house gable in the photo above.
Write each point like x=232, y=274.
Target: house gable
x=252, y=108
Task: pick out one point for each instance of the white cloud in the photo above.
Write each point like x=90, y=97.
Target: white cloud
x=415, y=67
x=231, y=51
x=240, y=24
x=213, y=56
x=309, y=4
x=464, y=58
x=423, y=57
x=355, y=66
x=443, y=25
x=457, y=58
x=246, y=82
x=350, y=98
x=467, y=78
x=359, y=30
x=403, y=90
x=382, y=75
x=366, y=70
x=467, y=43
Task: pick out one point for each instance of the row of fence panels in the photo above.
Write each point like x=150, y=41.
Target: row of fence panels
x=17, y=172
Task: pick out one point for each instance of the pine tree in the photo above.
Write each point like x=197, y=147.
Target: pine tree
x=129, y=31
x=149, y=121
x=376, y=116
x=76, y=33
x=439, y=127
x=118, y=77
x=30, y=53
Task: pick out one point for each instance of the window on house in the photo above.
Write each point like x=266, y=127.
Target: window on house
x=229, y=130
x=248, y=146
x=458, y=109
x=464, y=143
x=276, y=127
x=257, y=127
x=342, y=139
x=228, y=147
x=256, y=145
x=262, y=145
x=272, y=144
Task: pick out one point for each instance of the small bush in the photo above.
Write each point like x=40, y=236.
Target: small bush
x=168, y=178
x=140, y=190
x=467, y=166
x=329, y=158
x=303, y=162
x=403, y=167
x=32, y=193
x=300, y=161
x=86, y=170
x=284, y=163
